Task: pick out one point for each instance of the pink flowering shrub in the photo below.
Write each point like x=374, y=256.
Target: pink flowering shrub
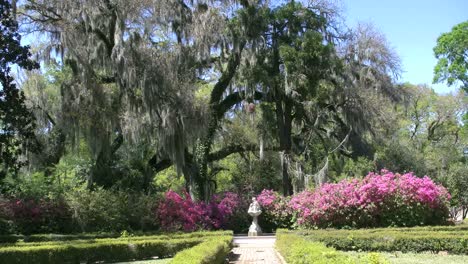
x=180, y=212
x=386, y=199
x=276, y=212
x=36, y=215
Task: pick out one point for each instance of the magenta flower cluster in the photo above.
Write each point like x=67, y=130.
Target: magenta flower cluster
x=276, y=210
x=33, y=216
x=385, y=199
x=180, y=212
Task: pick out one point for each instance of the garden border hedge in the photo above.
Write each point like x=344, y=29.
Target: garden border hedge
x=50, y=239
x=297, y=250
x=119, y=249
x=392, y=239
x=212, y=251
x=109, y=251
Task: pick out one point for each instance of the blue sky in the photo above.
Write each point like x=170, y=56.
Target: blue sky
x=412, y=28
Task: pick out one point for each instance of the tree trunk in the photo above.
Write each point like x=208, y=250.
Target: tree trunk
x=284, y=123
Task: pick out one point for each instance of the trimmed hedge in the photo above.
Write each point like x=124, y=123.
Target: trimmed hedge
x=212, y=251
x=108, y=251
x=51, y=239
x=54, y=237
x=298, y=250
x=433, y=239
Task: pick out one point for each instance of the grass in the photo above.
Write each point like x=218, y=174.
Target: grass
x=415, y=258
x=151, y=261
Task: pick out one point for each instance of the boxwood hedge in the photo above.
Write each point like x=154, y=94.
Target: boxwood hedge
x=108, y=250
x=299, y=250
x=212, y=251
x=434, y=239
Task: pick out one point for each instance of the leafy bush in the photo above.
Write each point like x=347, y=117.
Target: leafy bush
x=276, y=212
x=239, y=221
x=212, y=251
x=106, y=210
x=178, y=212
x=35, y=215
x=297, y=250
x=453, y=240
x=378, y=200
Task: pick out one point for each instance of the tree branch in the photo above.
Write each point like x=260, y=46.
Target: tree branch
x=235, y=98
x=223, y=153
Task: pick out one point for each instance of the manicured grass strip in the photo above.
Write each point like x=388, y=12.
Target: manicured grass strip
x=212, y=251
x=402, y=239
x=297, y=250
x=415, y=258
x=105, y=251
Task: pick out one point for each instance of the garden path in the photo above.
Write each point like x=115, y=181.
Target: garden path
x=254, y=250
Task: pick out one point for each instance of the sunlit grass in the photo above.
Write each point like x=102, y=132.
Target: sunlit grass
x=152, y=261
x=416, y=258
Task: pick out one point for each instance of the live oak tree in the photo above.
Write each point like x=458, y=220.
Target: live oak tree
x=138, y=67
x=146, y=58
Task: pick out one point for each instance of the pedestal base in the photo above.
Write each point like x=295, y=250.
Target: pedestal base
x=255, y=233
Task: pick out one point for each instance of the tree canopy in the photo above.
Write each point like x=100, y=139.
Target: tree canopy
x=452, y=54
x=16, y=121
x=147, y=95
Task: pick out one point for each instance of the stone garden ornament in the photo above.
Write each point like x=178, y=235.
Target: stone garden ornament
x=254, y=211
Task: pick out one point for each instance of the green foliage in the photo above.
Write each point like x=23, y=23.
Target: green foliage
x=299, y=250
x=107, y=210
x=58, y=239
x=212, y=251
x=453, y=239
x=398, y=157
x=32, y=186
x=356, y=168
x=168, y=180
x=451, y=51
x=457, y=184
x=72, y=248
x=16, y=121
x=118, y=250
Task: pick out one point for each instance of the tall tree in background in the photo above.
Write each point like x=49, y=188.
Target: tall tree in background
x=452, y=52
x=16, y=121
x=137, y=67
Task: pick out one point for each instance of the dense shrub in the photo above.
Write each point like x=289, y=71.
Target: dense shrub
x=180, y=212
x=453, y=240
x=239, y=221
x=34, y=216
x=106, y=210
x=385, y=199
x=276, y=212
x=298, y=250
x=212, y=251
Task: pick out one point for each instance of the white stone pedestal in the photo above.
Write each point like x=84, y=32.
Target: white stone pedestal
x=254, y=229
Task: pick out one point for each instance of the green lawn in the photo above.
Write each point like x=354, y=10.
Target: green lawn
x=153, y=261
x=417, y=258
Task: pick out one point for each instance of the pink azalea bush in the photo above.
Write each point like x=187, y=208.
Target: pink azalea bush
x=180, y=212
x=276, y=212
x=35, y=215
x=385, y=199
